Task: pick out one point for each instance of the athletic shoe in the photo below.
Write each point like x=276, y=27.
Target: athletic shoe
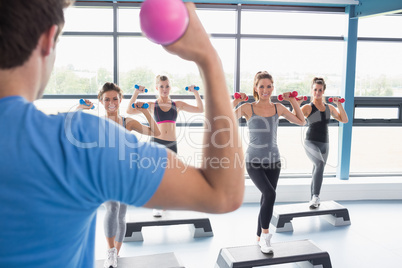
x=157, y=213
x=265, y=243
x=315, y=202
x=111, y=260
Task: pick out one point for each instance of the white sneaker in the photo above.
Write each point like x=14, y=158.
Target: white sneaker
x=157, y=213
x=265, y=243
x=315, y=202
x=111, y=260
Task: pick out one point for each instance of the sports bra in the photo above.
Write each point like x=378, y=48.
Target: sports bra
x=161, y=116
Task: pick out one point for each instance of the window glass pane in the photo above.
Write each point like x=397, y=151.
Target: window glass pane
x=129, y=20
x=141, y=60
x=292, y=23
x=83, y=64
x=376, y=150
x=218, y=21
x=82, y=19
x=293, y=64
x=381, y=26
x=379, y=69
x=214, y=21
x=376, y=113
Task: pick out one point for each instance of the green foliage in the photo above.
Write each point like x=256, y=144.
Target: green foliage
x=381, y=86
x=67, y=80
x=138, y=76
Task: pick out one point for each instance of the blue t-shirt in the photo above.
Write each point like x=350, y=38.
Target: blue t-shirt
x=55, y=171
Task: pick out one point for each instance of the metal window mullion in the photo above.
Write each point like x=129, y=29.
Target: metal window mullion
x=311, y=9
x=378, y=39
x=298, y=37
x=237, y=49
x=348, y=92
x=92, y=4
x=115, y=45
x=71, y=33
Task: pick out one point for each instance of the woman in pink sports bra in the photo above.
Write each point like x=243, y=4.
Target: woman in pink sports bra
x=165, y=111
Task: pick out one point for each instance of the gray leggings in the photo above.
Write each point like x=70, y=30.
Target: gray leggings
x=115, y=220
x=318, y=154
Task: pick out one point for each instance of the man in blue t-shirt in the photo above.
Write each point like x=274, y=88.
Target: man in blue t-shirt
x=56, y=170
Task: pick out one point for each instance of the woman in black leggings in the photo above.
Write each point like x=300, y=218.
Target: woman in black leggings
x=262, y=156
x=316, y=143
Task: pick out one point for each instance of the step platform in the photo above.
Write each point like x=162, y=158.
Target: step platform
x=335, y=214
x=303, y=251
x=164, y=260
x=199, y=225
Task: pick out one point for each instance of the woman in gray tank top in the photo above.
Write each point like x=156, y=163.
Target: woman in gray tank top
x=262, y=156
x=316, y=143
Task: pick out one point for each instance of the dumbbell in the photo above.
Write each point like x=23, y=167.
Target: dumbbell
x=137, y=87
x=291, y=95
x=237, y=95
x=195, y=88
x=163, y=21
x=341, y=100
x=303, y=97
x=82, y=102
x=145, y=105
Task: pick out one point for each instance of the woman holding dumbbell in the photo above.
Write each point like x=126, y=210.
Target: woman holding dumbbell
x=165, y=112
x=316, y=144
x=115, y=223
x=262, y=157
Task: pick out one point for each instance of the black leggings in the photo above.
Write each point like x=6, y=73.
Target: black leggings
x=265, y=177
x=172, y=145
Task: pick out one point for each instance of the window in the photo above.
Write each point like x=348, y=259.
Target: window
x=218, y=21
x=129, y=20
x=376, y=113
x=141, y=60
x=84, y=19
x=379, y=69
x=83, y=64
x=381, y=26
x=293, y=64
x=293, y=43
x=376, y=150
x=293, y=23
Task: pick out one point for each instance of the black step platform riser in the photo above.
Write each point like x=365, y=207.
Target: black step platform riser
x=285, y=252
x=164, y=260
x=199, y=227
x=284, y=214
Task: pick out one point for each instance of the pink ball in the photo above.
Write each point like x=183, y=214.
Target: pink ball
x=163, y=21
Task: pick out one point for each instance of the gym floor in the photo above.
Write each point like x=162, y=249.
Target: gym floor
x=373, y=240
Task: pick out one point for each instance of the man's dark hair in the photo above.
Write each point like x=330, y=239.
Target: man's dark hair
x=22, y=22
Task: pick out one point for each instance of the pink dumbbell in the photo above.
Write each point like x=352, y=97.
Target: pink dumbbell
x=237, y=95
x=163, y=21
x=291, y=95
x=341, y=100
x=301, y=98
